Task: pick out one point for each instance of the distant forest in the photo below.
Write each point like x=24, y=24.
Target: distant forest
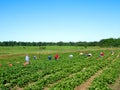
x=110, y=42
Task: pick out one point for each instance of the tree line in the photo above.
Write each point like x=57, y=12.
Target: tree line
x=110, y=42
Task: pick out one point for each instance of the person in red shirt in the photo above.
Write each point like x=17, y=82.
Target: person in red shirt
x=56, y=57
x=101, y=54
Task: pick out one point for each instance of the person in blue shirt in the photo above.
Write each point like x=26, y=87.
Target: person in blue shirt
x=49, y=57
x=35, y=57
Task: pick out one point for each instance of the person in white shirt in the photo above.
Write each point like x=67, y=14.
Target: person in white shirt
x=27, y=59
x=70, y=56
x=89, y=54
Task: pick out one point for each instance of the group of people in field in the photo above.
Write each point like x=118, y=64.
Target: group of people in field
x=27, y=58
x=56, y=57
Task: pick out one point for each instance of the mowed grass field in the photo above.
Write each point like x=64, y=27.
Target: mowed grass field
x=40, y=49
x=77, y=73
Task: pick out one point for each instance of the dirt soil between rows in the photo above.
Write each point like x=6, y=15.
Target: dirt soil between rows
x=86, y=84
x=116, y=85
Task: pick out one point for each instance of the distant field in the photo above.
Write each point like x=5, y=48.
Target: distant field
x=34, y=49
x=44, y=49
x=37, y=50
x=77, y=73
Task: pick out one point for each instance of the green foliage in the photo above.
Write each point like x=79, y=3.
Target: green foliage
x=66, y=73
x=108, y=76
x=110, y=42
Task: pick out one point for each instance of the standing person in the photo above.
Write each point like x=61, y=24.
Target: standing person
x=49, y=57
x=56, y=57
x=101, y=54
x=27, y=59
x=112, y=52
x=35, y=57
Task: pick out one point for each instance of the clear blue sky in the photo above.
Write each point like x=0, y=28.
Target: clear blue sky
x=59, y=20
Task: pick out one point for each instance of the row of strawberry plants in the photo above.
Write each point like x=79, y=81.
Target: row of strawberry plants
x=27, y=70
x=33, y=77
x=70, y=83
x=40, y=84
x=108, y=76
x=24, y=71
x=51, y=80
x=18, y=71
x=14, y=72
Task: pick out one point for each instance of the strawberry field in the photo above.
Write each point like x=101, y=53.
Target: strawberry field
x=64, y=74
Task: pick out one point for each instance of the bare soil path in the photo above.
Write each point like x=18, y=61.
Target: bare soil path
x=116, y=85
x=86, y=84
x=52, y=84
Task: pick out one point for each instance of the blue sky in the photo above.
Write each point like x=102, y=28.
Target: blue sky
x=59, y=20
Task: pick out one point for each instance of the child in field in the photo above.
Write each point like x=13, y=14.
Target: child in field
x=56, y=57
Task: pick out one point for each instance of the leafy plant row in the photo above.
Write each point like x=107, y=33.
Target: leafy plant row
x=70, y=83
x=23, y=75
x=108, y=77
x=34, y=77
x=40, y=84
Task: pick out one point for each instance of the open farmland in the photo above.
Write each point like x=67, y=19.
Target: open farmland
x=77, y=73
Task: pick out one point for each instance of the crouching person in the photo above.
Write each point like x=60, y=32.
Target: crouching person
x=89, y=54
x=70, y=56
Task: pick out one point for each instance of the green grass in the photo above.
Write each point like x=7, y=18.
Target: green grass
x=35, y=49
x=48, y=49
